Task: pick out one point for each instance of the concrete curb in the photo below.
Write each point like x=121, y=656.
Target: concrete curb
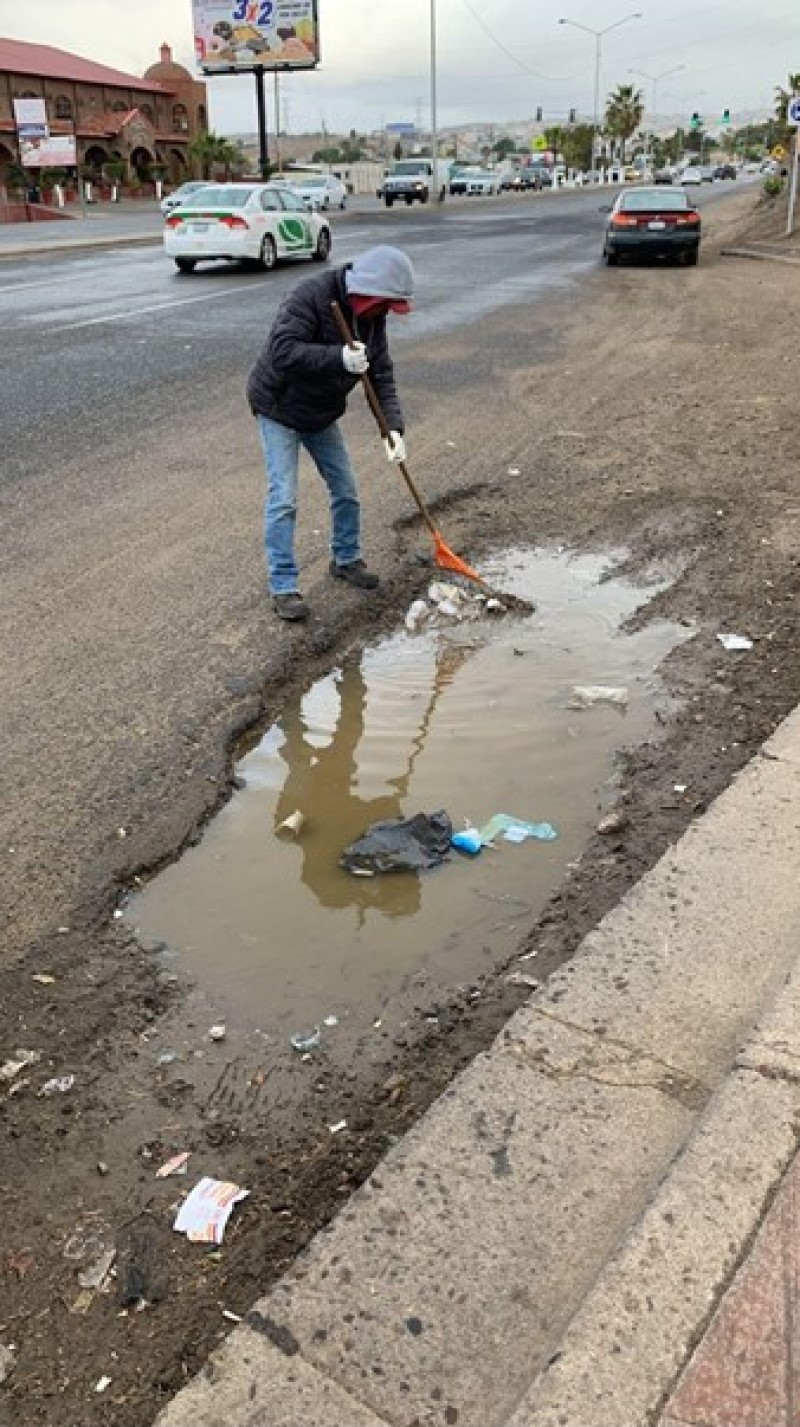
x=547, y=1244
x=75, y=245
x=759, y=257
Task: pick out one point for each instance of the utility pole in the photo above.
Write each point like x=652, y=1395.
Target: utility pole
x=277, y=121
x=434, y=130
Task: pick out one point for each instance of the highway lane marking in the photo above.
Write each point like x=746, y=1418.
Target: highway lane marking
x=154, y=307
x=21, y=286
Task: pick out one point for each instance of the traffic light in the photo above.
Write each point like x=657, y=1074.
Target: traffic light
x=539, y=114
x=572, y=116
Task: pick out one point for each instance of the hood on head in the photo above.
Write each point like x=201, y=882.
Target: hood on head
x=381, y=272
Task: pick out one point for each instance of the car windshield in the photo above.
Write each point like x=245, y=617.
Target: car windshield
x=218, y=196
x=646, y=198
x=311, y=182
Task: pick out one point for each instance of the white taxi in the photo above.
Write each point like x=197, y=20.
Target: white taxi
x=251, y=222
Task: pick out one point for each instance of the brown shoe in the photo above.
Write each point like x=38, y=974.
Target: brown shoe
x=291, y=607
x=356, y=573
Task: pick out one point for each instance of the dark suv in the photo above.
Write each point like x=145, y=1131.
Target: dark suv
x=724, y=171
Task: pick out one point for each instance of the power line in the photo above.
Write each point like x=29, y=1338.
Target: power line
x=537, y=74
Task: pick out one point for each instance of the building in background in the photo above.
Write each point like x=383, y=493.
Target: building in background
x=145, y=124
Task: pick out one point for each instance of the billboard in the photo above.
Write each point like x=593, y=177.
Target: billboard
x=30, y=118
x=57, y=151
x=235, y=35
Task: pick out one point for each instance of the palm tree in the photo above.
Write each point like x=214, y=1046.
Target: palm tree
x=782, y=97
x=210, y=151
x=624, y=111
x=784, y=131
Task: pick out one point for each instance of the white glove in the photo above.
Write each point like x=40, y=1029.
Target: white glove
x=355, y=359
x=395, y=446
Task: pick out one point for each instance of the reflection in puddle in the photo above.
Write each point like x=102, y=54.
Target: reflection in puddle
x=471, y=718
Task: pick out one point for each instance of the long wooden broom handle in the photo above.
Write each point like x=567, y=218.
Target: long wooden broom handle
x=377, y=412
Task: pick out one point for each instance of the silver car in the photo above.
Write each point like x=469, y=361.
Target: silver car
x=182, y=194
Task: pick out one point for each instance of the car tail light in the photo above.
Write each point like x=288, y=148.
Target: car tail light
x=624, y=220
x=232, y=220
x=174, y=221
x=688, y=219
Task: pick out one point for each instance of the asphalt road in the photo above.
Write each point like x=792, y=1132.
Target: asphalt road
x=102, y=339
x=81, y=331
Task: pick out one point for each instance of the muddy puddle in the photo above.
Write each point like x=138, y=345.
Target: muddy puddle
x=471, y=717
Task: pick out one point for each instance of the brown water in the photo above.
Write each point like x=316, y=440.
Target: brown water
x=473, y=718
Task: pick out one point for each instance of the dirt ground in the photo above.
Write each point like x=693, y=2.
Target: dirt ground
x=662, y=418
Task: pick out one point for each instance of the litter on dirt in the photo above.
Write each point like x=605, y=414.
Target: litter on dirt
x=179, y=1164
x=515, y=830
x=338, y=1127
x=400, y=845
x=205, y=1212
x=293, y=825
x=102, y=1383
x=304, y=1041
x=59, y=1085
x=22, y=1058
x=218, y=1032
x=469, y=840
x=585, y=696
x=43, y=978
x=96, y=1275
x=142, y=1256
x=7, y=1355
x=735, y=643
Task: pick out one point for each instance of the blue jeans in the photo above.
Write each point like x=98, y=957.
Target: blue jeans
x=282, y=458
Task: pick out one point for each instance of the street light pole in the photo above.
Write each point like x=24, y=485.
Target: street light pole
x=655, y=80
x=434, y=128
x=598, y=38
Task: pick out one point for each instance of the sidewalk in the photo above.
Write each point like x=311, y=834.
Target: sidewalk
x=106, y=227
x=548, y=1246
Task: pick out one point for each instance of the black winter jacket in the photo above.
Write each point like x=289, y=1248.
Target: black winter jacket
x=299, y=378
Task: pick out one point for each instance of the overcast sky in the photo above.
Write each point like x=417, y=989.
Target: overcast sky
x=496, y=59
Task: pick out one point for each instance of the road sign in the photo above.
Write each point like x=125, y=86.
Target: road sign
x=539, y=144
x=726, y=117
x=793, y=111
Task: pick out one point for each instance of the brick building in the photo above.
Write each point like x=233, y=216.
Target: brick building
x=141, y=122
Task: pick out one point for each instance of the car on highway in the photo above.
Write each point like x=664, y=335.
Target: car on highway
x=474, y=182
x=664, y=175
x=319, y=191
x=724, y=171
x=413, y=181
x=244, y=222
x=518, y=181
x=649, y=221
x=180, y=195
x=692, y=174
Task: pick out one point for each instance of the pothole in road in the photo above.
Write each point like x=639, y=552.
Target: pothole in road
x=475, y=718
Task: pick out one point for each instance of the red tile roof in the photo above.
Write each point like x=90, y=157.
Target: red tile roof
x=18, y=57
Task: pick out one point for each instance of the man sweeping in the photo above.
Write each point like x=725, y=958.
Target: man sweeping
x=298, y=392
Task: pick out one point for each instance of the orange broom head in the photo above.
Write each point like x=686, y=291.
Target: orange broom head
x=447, y=560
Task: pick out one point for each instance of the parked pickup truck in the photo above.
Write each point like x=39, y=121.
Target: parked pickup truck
x=409, y=179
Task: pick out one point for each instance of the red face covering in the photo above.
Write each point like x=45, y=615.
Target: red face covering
x=377, y=306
